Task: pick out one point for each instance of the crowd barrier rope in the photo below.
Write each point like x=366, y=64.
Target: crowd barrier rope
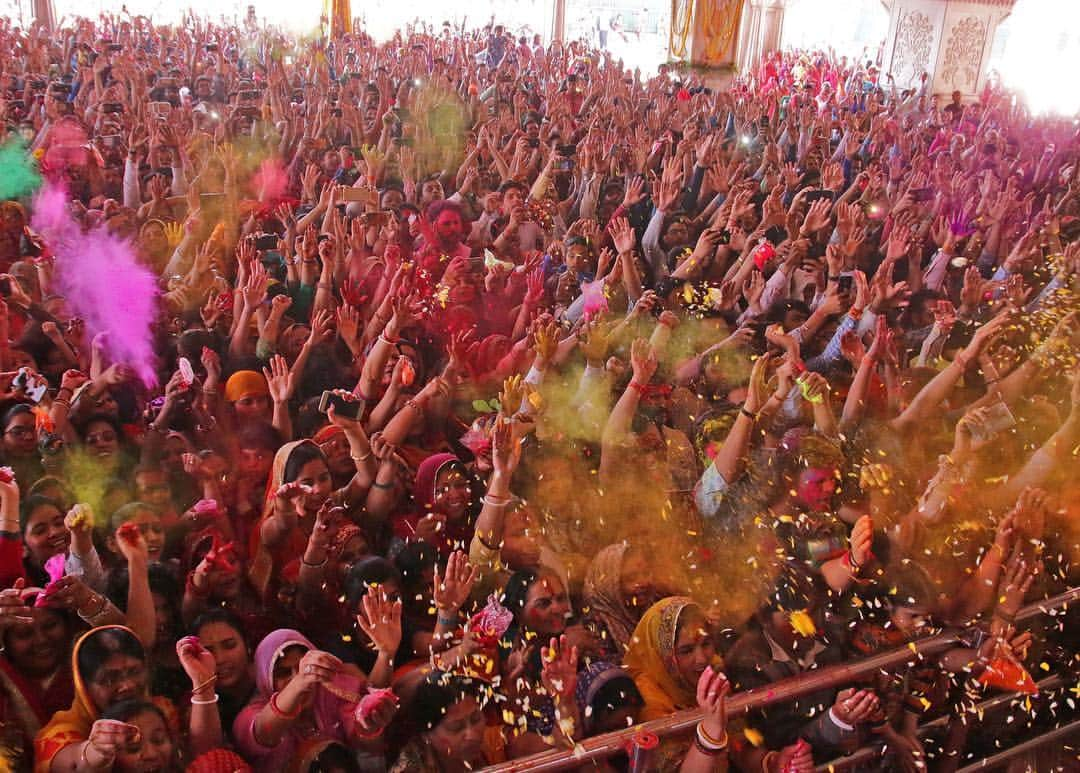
x=636, y=739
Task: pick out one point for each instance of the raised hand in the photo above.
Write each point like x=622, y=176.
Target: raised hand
x=712, y=691
x=13, y=608
x=861, y=541
x=559, y=671
x=643, y=361
x=453, y=586
x=317, y=667
x=279, y=380
x=855, y=706
x=380, y=619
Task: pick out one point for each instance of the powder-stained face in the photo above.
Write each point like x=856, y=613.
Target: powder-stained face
x=694, y=649
x=546, y=607
x=815, y=488
x=460, y=734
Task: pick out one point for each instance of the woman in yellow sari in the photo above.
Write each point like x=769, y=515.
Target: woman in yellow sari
x=669, y=658
x=108, y=665
x=670, y=649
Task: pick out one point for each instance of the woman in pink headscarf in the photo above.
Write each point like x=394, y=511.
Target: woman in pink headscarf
x=302, y=694
x=442, y=506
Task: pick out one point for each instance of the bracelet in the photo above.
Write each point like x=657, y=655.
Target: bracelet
x=88, y=618
x=64, y=389
x=362, y=458
x=205, y=683
x=383, y=486
x=209, y=390
x=449, y=622
x=748, y=414
x=211, y=702
x=766, y=762
x=707, y=751
x=324, y=286
x=319, y=565
x=489, y=502
x=278, y=710
x=387, y=341
x=61, y=401
x=834, y=278
x=1005, y=616
x=368, y=736
x=86, y=762
x=715, y=745
x=639, y=388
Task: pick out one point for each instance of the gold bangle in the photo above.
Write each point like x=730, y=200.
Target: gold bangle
x=361, y=459
x=719, y=743
x=767, y=760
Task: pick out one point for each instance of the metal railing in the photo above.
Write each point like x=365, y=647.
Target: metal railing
x=683, y=722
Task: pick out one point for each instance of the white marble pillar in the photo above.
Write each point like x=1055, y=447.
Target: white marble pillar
x=949, y=39
x=762, y=27
x=44, y=13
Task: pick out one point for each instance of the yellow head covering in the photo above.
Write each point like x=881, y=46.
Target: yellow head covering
x=73, y=725
x=243, y=383
x=650, y=659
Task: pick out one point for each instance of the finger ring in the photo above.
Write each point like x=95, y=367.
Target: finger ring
x=308, y=669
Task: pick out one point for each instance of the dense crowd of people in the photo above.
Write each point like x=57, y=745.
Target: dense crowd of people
x=423, y=405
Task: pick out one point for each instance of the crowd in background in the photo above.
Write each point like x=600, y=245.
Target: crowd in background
x=423, y=405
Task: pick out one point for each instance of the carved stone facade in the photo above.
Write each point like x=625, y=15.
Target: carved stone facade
x=914, y=42
x=948, y=39
x=963, y=54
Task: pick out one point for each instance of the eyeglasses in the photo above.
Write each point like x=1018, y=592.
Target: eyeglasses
x=20, y=432
x=103, y=437
x=110, y=679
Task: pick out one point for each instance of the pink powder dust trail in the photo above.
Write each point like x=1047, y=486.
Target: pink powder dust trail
x=270, y=181
x=595, y=301
x=102, y=282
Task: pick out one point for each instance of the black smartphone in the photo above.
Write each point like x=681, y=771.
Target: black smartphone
x=115, y=48
x=211, y=47
x=5, y=287
x=566, y=150
x=248, y=95
x=112, y=107
x=265, y=242
x=531, y=143
x=813, y=196
x=776, y=234
x=345, y=404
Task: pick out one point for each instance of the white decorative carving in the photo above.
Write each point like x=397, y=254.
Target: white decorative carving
x=911, y=51
x=963, y=54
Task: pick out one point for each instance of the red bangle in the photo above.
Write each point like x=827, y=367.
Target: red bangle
x=798, y=366
x=278, y=711
x=639, y=388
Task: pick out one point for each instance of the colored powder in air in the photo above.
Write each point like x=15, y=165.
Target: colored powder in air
x=270, y=181
x=102, y=281
x=595, y=301
x=18, y=171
